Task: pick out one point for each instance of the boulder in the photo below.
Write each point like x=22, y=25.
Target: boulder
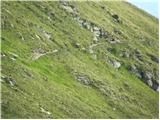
x=115, y=63
x=147, y=75
x=155, y=85
x=115, y=18
x=134, y=69
x=77, y=45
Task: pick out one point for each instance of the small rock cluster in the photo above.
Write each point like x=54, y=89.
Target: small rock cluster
x=97, y=31
x=83, y=78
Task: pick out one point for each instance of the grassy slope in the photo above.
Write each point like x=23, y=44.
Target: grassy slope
x=61, y=94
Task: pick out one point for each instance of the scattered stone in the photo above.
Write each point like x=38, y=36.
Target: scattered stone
x=48, y=35
x=86, y=24
x=69, y=8
x=77, y=45
x=13, y=59
x=37, y=36
x=83, y=49
x=90, y=51
x=138, y=55
x=97, y=31
x=95, y=39
x=134, y=69
x=115, y=63
x=94, y=56
x=117, y=31
x=83, y=78
x=113, y=40
x=54, y=51
x=147, y=75
x=21, y=36
x=103, y=7
x=45, y=111
x=109, y=49
x=149, y=83
x=9, y=80
x=3, y=54
x=153, y=58
x=116, y=18
x=12, y=25
x=126, y=54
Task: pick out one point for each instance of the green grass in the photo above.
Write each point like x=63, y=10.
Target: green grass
x=48, y=82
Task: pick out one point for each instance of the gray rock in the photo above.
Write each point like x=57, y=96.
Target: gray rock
x=115, y=18
x=86, y=25
x=9, y=80
x=149, y=83
x=147, y=75
x=45, y=111
x=155, y=85
x=115, y=63
x=134, y=69
x=48, y=35
x=83, y=49
x=153, y=58
x=113, y=40
x=125, y=54
x=103, y=33
x=77, y=45
x=90, y=51
x=3, y=54
x=95, y=39
x=84, y=79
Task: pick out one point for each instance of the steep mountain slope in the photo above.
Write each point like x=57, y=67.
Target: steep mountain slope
x=78, y=60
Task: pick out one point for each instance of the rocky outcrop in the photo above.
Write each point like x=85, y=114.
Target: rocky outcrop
x=146, y=76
